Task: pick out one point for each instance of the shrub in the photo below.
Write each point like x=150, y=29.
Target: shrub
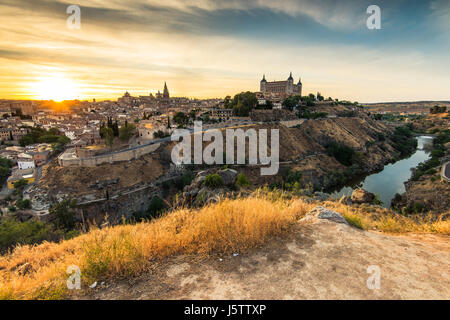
x=403, y=140
x=156, y=207
x=64, y=214
x=242, y=181
x=23, y=204
x=342, y=153
x=380, y=136
x=184, y=180
x=13, y=233
x=214, y=181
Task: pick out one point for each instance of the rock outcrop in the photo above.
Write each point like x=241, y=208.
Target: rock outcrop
x=362, y=196
x=324, y=213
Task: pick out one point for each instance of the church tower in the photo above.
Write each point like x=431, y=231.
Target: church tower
x=262, y=85
x=166, y=92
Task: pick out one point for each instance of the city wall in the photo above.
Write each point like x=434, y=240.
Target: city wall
x=122, y=155
x=292, y=123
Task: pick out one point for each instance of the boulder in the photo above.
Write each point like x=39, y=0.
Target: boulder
x=321, y=196
x=362, y=196
x=229, y=176
x=324, y=213
x=345, y=200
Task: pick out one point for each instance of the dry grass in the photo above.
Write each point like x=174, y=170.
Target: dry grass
x=39, y=272
x=229, y=226
x=368, y=218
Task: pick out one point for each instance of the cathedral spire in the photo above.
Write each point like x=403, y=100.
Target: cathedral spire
x=166, y=91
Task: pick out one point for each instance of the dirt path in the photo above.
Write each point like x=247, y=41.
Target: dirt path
x=319, y=260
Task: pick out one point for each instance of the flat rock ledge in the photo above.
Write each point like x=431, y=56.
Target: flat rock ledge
x=324, y=213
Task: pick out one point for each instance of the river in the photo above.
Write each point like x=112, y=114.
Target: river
x=389, y=181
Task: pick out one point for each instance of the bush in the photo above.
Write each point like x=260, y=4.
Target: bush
x=214, y=181
x=342, y=153
x=23, y=204
x=380, y=136
x=126, y=131
x=403, y=140
x=184, y=180
x=13, y=233
x=64, y=214
x=156, y=207
x=242, y=181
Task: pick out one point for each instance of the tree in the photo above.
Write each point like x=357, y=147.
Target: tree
x=26, y=140
x=242, y=180
x=438, y=109
x=243, y=103
x=115, y=128
x=126, y=131
x=227, y=104
x=291, y=102
x=156, y=207
x=64, y=214
x=180, y=118
x=108, y=134
x=319, y=96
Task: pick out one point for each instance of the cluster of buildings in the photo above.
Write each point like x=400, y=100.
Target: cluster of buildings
x=81, y=121
x=25, y=160
x=277, y=91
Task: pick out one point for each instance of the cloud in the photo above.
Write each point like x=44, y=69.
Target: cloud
x=136, y=46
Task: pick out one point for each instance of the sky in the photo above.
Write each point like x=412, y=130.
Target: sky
x=212, y=48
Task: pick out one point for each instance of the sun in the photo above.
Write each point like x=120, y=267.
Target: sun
x=55, y=87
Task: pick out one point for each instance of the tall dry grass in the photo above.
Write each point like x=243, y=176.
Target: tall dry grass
x=39, y=272
x=228, y=226
x=369, y=218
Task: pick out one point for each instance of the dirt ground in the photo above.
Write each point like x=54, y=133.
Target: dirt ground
x=77, y=179
x=319, y=260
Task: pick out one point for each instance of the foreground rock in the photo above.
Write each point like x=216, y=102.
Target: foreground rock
x=229, y=176
x=324, y=213
x=362, y=196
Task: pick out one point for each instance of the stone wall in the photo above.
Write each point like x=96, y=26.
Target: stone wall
x=272, y=115
x=121, y=206
x=292, y=123
x=122, y=155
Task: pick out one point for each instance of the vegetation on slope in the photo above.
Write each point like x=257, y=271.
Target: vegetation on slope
x=437, y=152
x=127, y=250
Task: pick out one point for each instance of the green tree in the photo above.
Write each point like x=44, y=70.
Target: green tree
x=214, y=181
x=243, y=103
x=108, y=134
x=291, y=102
x=227, y=103
x=242, y=180
x=26, y=140
x=180, y=118
x=64, y=214
x=126, y=131
x=156, y=207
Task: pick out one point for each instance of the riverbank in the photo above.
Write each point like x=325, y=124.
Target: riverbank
x=426, y=191
x=389, y=181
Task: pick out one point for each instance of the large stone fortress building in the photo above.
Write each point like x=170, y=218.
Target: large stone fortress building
x=282, y=88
